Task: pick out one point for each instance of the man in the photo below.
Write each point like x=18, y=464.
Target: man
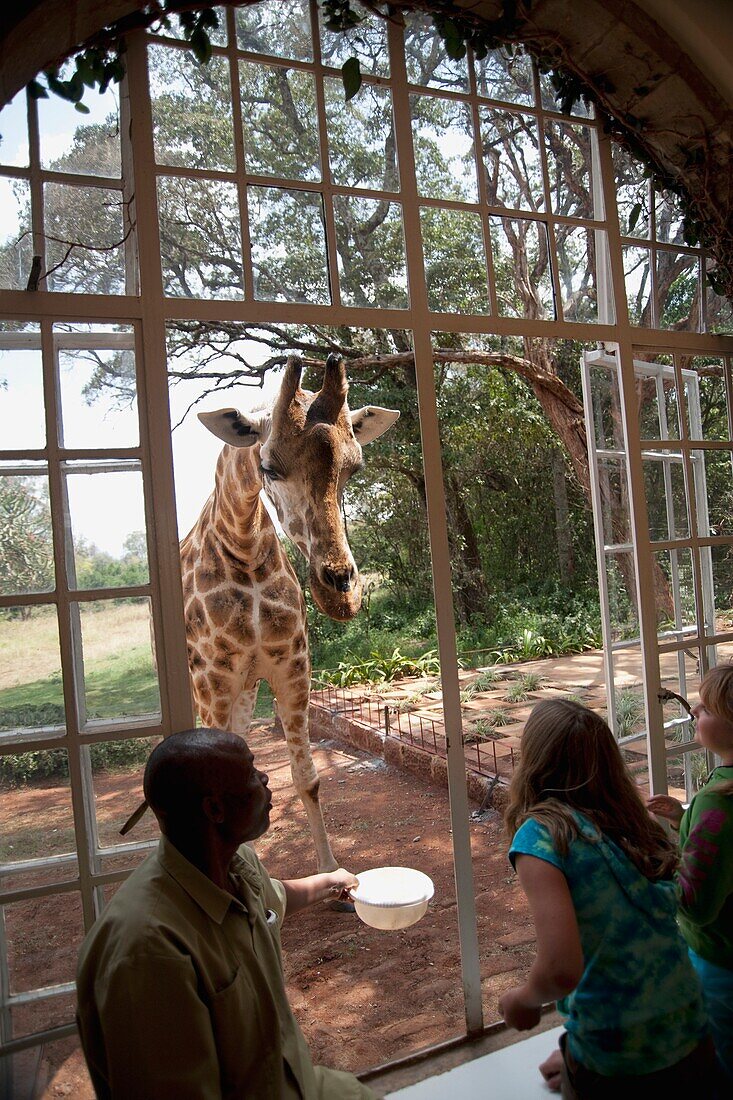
x=180, y=984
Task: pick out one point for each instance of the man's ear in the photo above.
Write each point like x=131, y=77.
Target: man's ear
x=213, y=808
x=235, y=428
x=371, y=422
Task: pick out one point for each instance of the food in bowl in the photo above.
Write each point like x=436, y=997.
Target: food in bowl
x=392, y=897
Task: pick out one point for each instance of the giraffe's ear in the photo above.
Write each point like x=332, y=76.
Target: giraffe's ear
x=371, y=422
x=235, y=428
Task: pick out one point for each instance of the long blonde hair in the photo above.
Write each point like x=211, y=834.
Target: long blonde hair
x=716, y=695
x=570, y=761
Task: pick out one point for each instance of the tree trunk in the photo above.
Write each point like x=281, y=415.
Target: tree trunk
x=566, y=563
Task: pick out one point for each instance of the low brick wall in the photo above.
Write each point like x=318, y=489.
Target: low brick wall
x=427, y=766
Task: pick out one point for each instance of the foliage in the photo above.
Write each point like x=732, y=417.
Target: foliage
x=629, y=711
x=26, y=548
x=379, y=669
x=519, y=690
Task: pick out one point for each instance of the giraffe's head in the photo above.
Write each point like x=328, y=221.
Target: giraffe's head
x=309, y=446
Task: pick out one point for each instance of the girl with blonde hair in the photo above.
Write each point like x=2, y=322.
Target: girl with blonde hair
x=598, y=873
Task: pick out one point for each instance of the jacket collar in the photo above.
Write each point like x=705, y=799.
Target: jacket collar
x=208, y=896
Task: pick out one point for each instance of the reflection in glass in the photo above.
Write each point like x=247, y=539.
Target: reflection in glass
x=522, y=268
x=621, y=582
x=200, y=242
x=455, y=268
x=604, y=390
x=442, y=136
x=675, y=599
x=91, y=147
x=637, y=272
x=668, y=217
x=84, y=239
x=633, y=195
x=580, y=252
x=288, y=246
x=711, y=386
x=117, y=779
x=31, y=693
x=16, y=244
x=14, y=132
x=569, y=168
x=678, y=299
x=718, y=500
x=613, y=481
x=22, y=420
x=666, y=500
x=367, y=42
x=279, y=30
x=718, y=309
x=107, y=518
x=550, y=101
x=192, y=109
x=657, y=421
x=43, y=938
x=26, y=547
x=371, y=252
x=120, y=680
x=92, y=415
x=279, y=122
x=510, y=151
x=722, y=571
x=427, y=62
x=504, y=76
x=361, y=144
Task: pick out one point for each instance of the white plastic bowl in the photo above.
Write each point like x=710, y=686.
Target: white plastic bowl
x=392, y=897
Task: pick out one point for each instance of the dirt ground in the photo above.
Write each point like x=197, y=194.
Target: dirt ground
x=362, y=997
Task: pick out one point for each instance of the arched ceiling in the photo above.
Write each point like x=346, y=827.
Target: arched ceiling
x=658, y=70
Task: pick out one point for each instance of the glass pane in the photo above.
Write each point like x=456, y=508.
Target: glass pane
x=455, y=269
x=637, y=272
x=107, y=515
x=427, y=62
x=43, y=937
x=281, y=30
x=371, y=252
x=200, y=241
x=31, y=693
x=713, y=417
x=192, y=109
x=27, y=1019
x=668, y=217
x=721, y=566
x=609, y=435
x=288, y=246
x=718, y=309
x=84, y=251
x=361, y=144
x=367, y=42
x=678, y=298
x=14, y=132
x=93, y=413
x=218, y=34
x=22, y=420
x=633, y=196
x=91, y=147
x=442, y=138
x=26, y=546
x=581, y=254
x=522, y=268
x=658, y=406
x=621, y=582
x=687, y=772
x=675, y=599
x=506, y=76
x=613, y=484
x=716, y=493
x=665, y=497
x=279, y=122
x=120, y=680
x=117, y=780
x=36, y=813
x=510, y=150
x=569, y=167
x=550, y=99
x=16, y=243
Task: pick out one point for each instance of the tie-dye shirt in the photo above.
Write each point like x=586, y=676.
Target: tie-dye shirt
x=705, y=877
x=637, y=1007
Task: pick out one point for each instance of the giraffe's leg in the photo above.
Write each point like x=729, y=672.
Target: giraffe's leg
x=292, y=709
x=242, y=710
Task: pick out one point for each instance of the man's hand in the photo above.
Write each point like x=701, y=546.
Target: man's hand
x=517, y=1011
x=340, y=882
x=328, y=886
x=663, y=805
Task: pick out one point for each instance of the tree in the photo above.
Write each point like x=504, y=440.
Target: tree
x=26, y=545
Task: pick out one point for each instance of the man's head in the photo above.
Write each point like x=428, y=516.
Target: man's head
x=206, y=779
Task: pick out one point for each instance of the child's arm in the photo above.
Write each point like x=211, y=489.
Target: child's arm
x=301, y=892
x=663, y=805
x=705, y=875
x=558, y=966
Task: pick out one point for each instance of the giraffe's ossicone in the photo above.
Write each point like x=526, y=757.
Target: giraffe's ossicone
x=245, y=612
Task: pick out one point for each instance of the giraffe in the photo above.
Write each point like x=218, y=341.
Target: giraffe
x=244, y=608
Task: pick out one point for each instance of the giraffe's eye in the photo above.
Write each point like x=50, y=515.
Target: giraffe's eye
x=268, y=472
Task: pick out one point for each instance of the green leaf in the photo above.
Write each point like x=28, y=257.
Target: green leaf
x=201, y=46
x=351, y=76
x=81, y=108
x=634, y=216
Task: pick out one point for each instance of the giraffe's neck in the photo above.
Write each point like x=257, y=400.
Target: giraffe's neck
x=235, y=510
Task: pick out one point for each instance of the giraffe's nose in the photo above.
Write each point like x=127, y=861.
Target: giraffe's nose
x=341, y=580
